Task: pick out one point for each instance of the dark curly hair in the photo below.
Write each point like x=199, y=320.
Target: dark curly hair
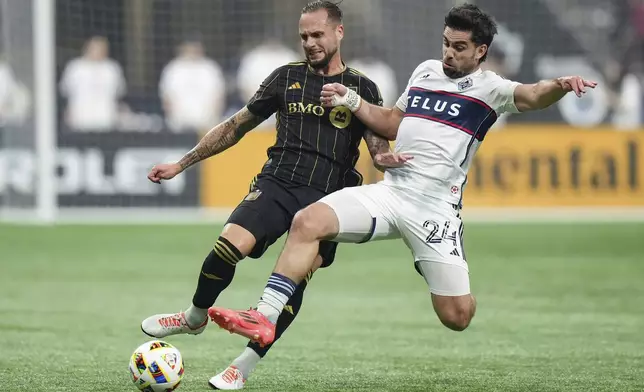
x=468, y=17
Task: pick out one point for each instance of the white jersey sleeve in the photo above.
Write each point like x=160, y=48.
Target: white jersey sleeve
x=502, y=94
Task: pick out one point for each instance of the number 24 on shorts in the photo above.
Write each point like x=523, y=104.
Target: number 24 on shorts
x=435, y=227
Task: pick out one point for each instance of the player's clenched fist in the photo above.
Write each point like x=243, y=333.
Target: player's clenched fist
x=576, y=84
x=164, y=171
x=336, y=94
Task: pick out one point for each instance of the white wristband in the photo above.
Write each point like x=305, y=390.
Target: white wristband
x=350, y=100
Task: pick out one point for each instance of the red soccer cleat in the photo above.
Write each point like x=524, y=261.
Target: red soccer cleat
x=248, y=323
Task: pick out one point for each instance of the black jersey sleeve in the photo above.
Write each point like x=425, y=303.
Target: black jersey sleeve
x=370, y=92
x=265, y=102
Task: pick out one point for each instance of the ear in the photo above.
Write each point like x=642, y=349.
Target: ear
x=339, y=31
x=480, y=52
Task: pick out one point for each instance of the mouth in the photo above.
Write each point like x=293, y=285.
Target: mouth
x=314, y=53
x=447, y=65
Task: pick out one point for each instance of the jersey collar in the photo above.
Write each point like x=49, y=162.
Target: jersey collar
x=458, y=81
x=344, y=68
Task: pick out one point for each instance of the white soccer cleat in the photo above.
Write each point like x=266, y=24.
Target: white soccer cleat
x=162, y=325
x=230, y=379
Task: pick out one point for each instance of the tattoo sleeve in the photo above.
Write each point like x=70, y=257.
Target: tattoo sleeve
x=376, y=145
x=222, y=137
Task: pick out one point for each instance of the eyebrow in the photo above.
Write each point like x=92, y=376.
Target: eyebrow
x=311, y=32
x=455, y=42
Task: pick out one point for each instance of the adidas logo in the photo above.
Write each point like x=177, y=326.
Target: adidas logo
x=455, y=253
x=294, y=86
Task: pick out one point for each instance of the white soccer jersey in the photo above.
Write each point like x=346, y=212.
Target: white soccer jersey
x=445, y=121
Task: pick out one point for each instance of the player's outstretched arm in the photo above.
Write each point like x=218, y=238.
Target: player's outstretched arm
x=218, y=139
x=383, y=121
x=222, y=137
x=546, y=92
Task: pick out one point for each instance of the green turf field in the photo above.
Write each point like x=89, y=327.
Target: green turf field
x=561, y=308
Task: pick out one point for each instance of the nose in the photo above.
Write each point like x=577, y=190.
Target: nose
x=308, y=43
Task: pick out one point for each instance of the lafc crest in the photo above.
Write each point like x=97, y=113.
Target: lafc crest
x=252, y=196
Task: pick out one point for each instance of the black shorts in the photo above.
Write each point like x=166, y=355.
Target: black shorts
x=269, y=208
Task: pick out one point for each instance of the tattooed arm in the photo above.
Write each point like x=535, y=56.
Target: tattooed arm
x=221, y=137
x=377, y=146
x=383, y=157
x=218, y=139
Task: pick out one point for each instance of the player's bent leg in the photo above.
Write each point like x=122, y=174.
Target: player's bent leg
x=342, y=217
x=433, y=231
x=449, y=285
x=310, y=225
x=217, y=271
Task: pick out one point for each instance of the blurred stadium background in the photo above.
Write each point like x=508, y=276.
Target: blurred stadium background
x=144, y=99
x=93, y=93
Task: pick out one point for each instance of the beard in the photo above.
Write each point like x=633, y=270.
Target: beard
x=456, y=73
x=324, y=61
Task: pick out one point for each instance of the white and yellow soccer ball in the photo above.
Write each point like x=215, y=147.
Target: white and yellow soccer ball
x=156, y=366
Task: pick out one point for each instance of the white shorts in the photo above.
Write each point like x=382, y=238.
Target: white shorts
x=431, y=228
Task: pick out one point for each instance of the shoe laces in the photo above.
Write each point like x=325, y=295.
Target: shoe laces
x=230, y=375
x=176, y=320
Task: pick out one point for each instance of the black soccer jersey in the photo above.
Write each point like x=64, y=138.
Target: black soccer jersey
x=315, y=146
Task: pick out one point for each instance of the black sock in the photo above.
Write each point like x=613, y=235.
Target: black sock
x=287, y=316
x=216, y=273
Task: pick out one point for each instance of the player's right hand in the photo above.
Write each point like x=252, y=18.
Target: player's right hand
x=391, y=159
x=336, y=94
x=331, y=89
x=164, y=171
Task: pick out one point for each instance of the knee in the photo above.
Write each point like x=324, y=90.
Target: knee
x=458, y=317
x=236, y=239
x=303, y=225
x=457, y=320
x=309, y=224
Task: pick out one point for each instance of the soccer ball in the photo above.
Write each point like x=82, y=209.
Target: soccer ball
x=156, y=366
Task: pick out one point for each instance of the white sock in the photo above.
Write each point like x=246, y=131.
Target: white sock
x=196, y=316
x=276, y=294
x=246, y=362
x=271, y=304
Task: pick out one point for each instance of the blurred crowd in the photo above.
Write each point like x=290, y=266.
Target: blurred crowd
x=192, y=87
x=195, y=92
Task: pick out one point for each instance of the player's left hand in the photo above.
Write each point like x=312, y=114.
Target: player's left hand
x=576, y=84
x=391, y=159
